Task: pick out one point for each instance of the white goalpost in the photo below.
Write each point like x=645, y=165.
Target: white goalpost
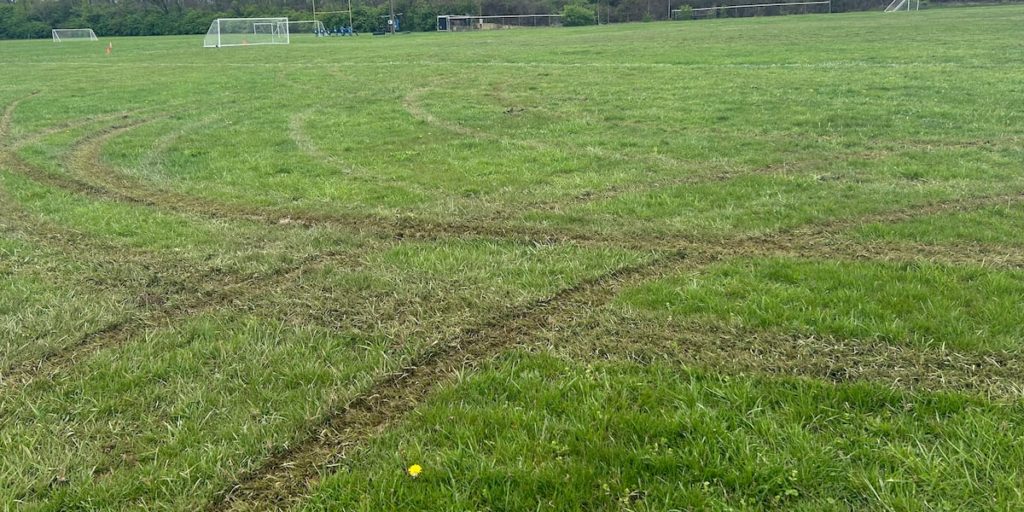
x=246, y=32
x=462, y=23
x=904, y=5
x=61, y=35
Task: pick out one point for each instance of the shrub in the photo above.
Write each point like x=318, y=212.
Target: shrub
x=577, y=15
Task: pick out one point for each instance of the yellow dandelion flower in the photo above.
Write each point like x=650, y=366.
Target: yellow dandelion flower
x=414, y=470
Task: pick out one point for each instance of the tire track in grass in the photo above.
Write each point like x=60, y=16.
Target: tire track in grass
x=7, y=118
x=173, y=291
x=22, y=224
x=89, y=154
x=231, y=295
x=495, y=229
x=8, y=144
x=814, y=240
x=995, y=375
x=822, y=232
x=115, y=186
x=412, y=106
x=187, y=297
x=104, y=182
x=285, y=477
x=298, y=135
x=90, y=176
x=986, y=256
x=72, y=183
x=180, y=291
x=108, y=184
x=77, y=123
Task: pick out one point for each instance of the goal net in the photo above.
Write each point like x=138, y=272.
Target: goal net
x=452, y=23
x=903, y=5
x=757, y=9
x=306, y=27
x=246, y=31
x=61, y=35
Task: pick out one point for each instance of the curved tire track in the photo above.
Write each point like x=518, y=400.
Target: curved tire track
x=285, y=478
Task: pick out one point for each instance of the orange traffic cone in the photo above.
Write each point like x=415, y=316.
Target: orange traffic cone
x=110, y=48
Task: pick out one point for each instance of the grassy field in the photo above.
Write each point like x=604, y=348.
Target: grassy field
x=730, y=264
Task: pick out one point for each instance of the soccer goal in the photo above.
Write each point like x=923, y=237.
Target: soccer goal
x=61, y=35
x=306, y=27
x=453, y=23
x=760, y=9
x=246, y=31
x=904, y=5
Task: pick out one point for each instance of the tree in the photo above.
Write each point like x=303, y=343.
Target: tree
x=575, y=15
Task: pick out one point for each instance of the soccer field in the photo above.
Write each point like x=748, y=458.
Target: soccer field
x=759, y=263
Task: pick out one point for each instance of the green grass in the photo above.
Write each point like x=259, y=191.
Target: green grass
x=995, y=226
x=920, y=304
x=204, y=254
x=44, y=307
x=177, y=408
x=538, y=431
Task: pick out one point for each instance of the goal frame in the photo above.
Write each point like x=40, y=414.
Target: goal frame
x=903, y=5
x=317, y=27
x=336, y=11
x=55, y=33
x=277, y=35
x=480, y=20
x=703, y=10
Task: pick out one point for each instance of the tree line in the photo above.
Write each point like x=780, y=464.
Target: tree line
x=25, y=19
